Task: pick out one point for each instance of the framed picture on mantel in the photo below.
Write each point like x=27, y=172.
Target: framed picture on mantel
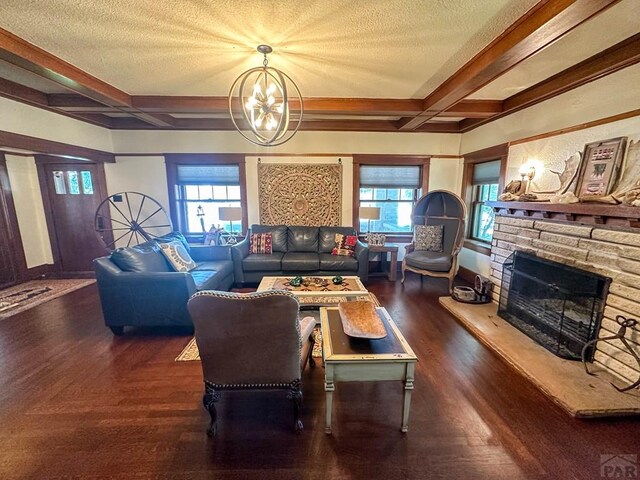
x=600, y=168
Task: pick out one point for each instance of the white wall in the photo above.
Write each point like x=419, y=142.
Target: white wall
x=608, y=96
x=446, y=174
x=338, y=143
x=23, y=178
x=146, y=175
x=611, y=95
x=551, y=152
x=24, y=119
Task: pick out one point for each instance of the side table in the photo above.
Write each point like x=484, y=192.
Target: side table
x=392, y=267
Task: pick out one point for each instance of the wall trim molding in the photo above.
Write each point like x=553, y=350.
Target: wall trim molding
x=50, y=147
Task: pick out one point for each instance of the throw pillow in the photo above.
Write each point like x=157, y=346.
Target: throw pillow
x=429, y=238
x=345, y=245
x=177, y=255
x=261, y=243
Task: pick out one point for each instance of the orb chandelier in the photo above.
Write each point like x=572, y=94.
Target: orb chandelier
x=263, y=95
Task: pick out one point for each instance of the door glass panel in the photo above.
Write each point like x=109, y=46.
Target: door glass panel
x=87, y=183
x=58, y=183
x=74, y=183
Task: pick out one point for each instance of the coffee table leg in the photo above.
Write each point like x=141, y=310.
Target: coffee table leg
x=328, y=388
x=408, y=390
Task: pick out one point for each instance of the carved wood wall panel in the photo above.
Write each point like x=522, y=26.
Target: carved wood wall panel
x=300, y=194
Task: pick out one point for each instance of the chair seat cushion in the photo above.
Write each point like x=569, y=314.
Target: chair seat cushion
x=307, y=324
x=300, y=261
x=262, y=262
x=338, y=263
x=206, y=280
x=223, y=267
x=434, y=261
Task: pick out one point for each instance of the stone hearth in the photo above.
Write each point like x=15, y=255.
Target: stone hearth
x=613, y=253
x=563, y=381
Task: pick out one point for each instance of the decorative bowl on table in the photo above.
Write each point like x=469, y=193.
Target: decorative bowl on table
x=315, y=282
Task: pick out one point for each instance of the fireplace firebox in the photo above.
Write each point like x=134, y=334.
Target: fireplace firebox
x=557, y=305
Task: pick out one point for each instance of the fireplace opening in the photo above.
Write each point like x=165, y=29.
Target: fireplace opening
x=557, y=305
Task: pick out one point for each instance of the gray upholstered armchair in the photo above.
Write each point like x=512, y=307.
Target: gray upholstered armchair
x=438, y=207
x=250, y=341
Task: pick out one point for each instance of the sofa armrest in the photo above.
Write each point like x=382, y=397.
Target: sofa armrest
x=239, y=252
x=204, y=253
x=362, y=255
x=158, y=298
x=409, y=248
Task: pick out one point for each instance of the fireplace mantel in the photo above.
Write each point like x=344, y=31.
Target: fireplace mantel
x=585, y=213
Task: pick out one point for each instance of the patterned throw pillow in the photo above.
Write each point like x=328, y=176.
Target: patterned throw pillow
x=345, y=245
x=429, y=238
x=177, y=255
x=261, y=243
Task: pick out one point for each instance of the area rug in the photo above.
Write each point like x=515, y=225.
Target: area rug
x=27, y=295
x=190, y=352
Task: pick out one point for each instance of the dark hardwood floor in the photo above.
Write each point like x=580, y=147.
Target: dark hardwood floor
x=77, y=402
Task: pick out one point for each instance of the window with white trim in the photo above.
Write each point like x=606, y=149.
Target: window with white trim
x=393, y=189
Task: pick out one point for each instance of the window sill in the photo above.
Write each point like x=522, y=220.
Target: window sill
x=478, y=246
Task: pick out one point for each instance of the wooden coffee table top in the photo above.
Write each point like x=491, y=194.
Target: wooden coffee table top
x=312, y=296
x=339, y=347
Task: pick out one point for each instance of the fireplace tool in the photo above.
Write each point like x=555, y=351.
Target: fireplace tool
x=624, y=324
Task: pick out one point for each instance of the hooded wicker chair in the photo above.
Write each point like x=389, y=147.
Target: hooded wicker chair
x=438, y=207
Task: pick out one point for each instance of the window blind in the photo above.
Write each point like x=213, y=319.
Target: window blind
x=374, y=176
x=487, y=172
x=208, y=175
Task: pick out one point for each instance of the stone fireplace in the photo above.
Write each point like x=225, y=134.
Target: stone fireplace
x=610, y=253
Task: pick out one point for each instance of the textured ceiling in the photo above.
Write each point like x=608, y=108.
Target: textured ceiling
x=612, y=26
x=334, y=48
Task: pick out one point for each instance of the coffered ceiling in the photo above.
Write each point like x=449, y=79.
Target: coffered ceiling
x=381, y=65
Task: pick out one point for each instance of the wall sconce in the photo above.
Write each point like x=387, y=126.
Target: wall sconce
x=527, y=170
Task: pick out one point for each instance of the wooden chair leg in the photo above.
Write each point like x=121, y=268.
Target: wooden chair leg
x=312, y=361
x=403, y=268
x=295, y=395
x=209, y=401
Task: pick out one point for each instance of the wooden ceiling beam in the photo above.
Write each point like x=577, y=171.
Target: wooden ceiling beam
x=308, y=125
x=606, y=62
x=473, y=109
x=545, y=23
x=27, y=56
x=24, y=94
x=49, y=147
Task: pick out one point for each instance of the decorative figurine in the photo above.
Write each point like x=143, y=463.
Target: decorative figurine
x=296, y=282
x=337, y=280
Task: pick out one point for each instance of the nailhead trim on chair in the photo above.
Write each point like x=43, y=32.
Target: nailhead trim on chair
x=244, y=386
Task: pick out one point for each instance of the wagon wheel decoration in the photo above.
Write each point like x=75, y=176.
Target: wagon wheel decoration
x=130, y=218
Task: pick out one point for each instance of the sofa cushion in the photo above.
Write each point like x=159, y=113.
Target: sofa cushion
x=300, y=261
x=260, y=243
x=141, y=258
x=206, y=279
x=278, y=235
x=337, y=263
x=261, y=262
x=345, y=245
x=174, y=236
x=177, y=256
x=223, y=267
x=428, y=238
x=434, y=261
x=327, y=237
x=302, y=239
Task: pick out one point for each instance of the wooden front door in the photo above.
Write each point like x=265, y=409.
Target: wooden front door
x=12, y=262
x=74, y=191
